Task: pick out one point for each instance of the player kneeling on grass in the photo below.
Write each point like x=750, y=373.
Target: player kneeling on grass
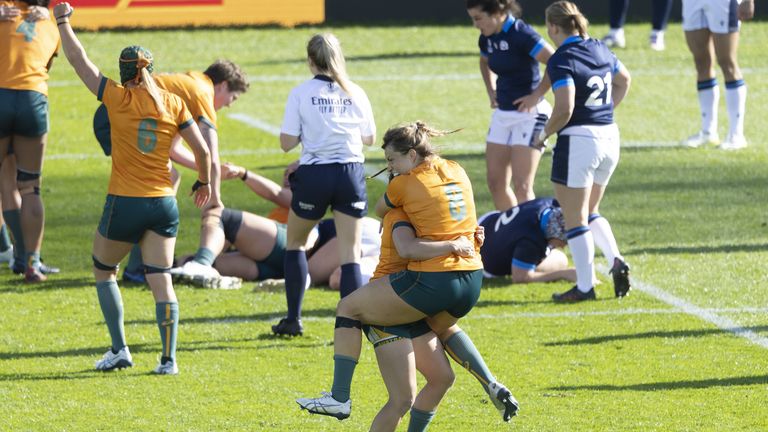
x=141, y=204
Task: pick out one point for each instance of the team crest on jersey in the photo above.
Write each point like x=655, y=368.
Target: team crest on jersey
x=490, y=46
x=504, y=46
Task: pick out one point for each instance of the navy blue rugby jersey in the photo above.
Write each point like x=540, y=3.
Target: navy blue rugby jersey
x=587, y=65
x=510, y=56
x=515, y=237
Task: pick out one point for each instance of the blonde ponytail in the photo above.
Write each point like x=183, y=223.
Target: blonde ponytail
x=568, y=17
x=154, y=91
x=325, y=52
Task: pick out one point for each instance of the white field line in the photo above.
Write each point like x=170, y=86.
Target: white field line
x=430, y=77
x=709, y=315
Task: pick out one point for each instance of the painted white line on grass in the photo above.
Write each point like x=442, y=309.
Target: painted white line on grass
x=431, y=77
x=255, y=123
x=708, y=315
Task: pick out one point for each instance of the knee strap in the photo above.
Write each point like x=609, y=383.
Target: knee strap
x=148, y=269
x=101, y=266
x=24, y=176
x=343, y=322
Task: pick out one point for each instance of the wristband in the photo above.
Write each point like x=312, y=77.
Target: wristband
x=244, y=176
x=198, y=184
x=62, y=22
x=66, y=15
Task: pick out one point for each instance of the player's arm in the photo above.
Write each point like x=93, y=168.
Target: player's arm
x=620, y=84
x=182, y=155
x=746, y=10
x=382, y=208
x=410, y=247
x=192, y=136
x=489, y=78
x=529, y=102
x=565, y=95
x=261, y=185
x=288, y=142
x=211, y=138
x=74, y=51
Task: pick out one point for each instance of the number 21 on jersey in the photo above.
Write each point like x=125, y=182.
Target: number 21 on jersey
x=601, y=90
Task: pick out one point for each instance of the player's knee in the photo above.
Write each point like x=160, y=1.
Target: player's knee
x=212, y=219
x=344, y=322
x=443, y=381
x=401, y=403
x=28, y=182
x=100, y=266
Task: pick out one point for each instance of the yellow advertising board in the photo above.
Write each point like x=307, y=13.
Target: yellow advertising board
x=96, y=14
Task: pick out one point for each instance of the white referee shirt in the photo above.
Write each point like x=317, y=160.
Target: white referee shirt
x=329, y=122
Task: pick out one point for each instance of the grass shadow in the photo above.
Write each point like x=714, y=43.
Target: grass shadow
x=53, y=283
x=674, y=385
x=647, y=335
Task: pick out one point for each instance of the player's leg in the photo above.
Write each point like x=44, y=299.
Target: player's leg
x=498, y=160
x=659, y=21
x=617, y=12
x=106, y=257
x=434, y=366
x=397, y=366
x=324, y=262
x=29, y=159
x=700, y=44
x=349, y=233
x=726, y=50
x=157, y=251
x=12, y=211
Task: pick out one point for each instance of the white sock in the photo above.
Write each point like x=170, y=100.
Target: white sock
x=604, y=239
x=583, y=253
x=709, y=97
x=658, y=33
x=736, y=101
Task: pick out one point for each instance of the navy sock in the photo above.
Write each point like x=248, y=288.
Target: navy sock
x=343, y=370
x=167, y=315
x=419, y=420
x=112, y=308
x=661, y=11
x=296, y=274
x=351, y=279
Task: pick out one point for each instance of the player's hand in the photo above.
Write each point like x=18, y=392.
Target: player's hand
x=290, y=169
x=62, y=10
x=463, y=247
x=230, y=171
x=8, y=13
x=480, y=235
x=526, y=103
x=202, y=193
x=492, y=97
x=746, y=10
x=37, y=13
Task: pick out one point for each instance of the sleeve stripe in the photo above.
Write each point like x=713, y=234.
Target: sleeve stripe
x=102, y=85
x=618, y=66
x=186, y=124
x=388, y=202
x=562, y=83
x=402, y=224
x=536, y=49
x=207, y=122
x=523, y=265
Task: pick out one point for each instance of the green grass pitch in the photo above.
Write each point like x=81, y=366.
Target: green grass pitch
x=687, y=351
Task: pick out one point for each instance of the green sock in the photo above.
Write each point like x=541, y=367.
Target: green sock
x=33, y=260
x=13, y=220
x=463, y=351
x=167, y=314
x=135, y=262
x=5, y=239
x=343, y=369
x=112, y=307
x=205, y=256
x=419, y=420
